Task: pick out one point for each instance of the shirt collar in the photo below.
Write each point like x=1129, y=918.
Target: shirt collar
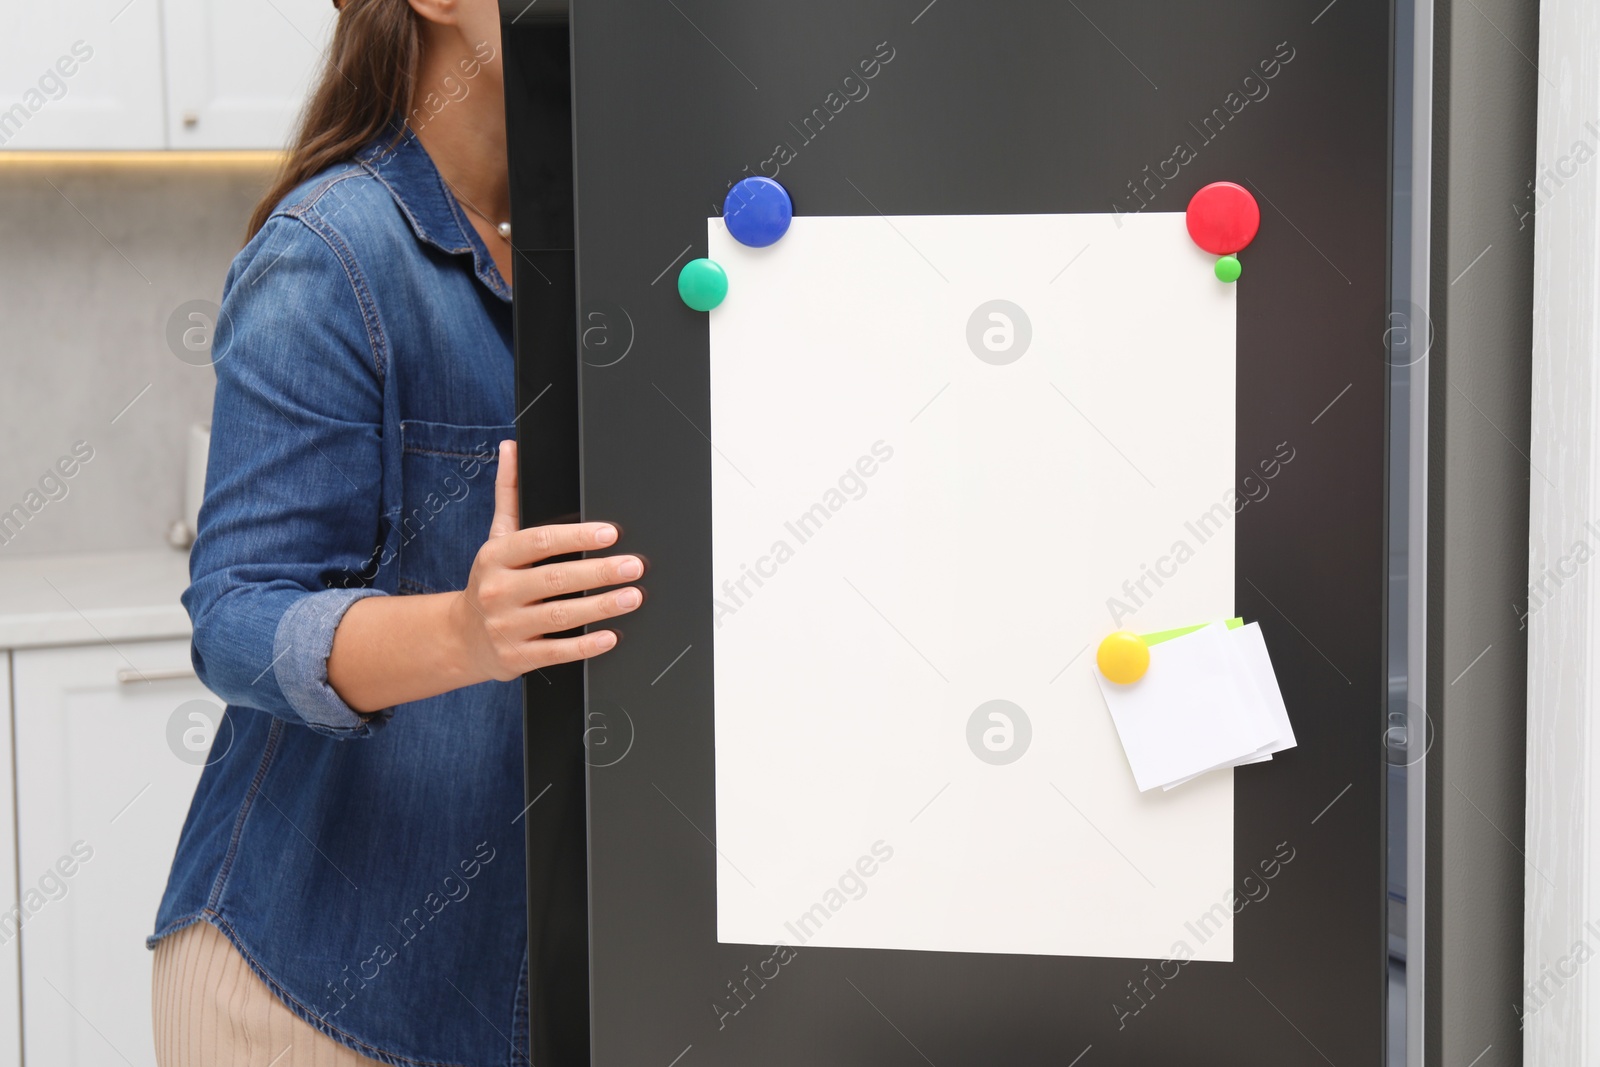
x=419, y=190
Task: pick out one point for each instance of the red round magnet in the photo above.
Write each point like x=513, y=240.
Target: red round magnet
x=1223, y=218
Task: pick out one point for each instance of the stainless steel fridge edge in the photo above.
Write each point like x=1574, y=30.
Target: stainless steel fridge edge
x=1421, y=12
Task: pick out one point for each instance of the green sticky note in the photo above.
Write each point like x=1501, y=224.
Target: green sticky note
x=1168, y=635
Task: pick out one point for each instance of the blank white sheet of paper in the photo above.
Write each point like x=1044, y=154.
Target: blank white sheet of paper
x=950, y=454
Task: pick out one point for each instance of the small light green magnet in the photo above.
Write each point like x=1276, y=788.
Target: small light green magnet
x=1228, y=269
x=702, y=283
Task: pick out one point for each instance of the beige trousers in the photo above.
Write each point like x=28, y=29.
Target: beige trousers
x=211, y=1011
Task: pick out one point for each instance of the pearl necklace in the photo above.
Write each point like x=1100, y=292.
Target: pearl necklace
x=502, y=228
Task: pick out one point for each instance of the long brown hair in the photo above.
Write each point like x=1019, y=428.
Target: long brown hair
x=366, y=82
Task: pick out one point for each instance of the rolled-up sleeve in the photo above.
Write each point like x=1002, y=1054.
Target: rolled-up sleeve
x=292, y=519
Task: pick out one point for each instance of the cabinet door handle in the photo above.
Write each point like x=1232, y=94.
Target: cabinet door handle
x=130, y=676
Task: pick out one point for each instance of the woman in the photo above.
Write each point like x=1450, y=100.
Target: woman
x=349, y=884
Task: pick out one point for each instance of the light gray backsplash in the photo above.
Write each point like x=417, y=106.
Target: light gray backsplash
x=94, y=258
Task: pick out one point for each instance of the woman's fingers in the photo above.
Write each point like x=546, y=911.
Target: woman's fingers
x=579, y=576
x=523, y=644
x=516, y=604
x=526, y=547
x=555, y=616
x=550, y=650
x=506, y=506
x=513, y=588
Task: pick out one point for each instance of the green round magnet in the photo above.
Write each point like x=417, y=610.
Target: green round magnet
x=1228, y=269
x=702, y=283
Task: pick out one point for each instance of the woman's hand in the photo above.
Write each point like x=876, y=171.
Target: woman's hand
x=506, y=614
x=390, y=650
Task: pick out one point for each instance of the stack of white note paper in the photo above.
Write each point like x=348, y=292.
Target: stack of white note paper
x=1208, y=700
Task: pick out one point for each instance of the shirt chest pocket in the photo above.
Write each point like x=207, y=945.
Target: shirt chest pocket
x=447, y=501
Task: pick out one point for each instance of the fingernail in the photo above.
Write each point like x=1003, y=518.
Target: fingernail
x=605, y=535
x=605, y=639
x=629, y=569
x=628, y=598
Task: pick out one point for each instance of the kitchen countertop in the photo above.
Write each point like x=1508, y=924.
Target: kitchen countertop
x=86, y=598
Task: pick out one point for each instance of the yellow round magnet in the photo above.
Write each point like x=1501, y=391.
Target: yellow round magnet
x=1123, y=657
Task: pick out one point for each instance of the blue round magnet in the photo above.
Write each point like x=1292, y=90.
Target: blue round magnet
x=757, y=212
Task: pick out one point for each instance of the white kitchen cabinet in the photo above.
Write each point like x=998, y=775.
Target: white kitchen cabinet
x=108, y=750
x=153, y=74
x=85, y=74
x=238, y=73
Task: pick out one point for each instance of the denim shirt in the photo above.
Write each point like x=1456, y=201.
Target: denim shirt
x=369, y=867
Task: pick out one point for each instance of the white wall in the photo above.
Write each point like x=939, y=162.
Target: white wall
x=94, y=258
x=1562, y=926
